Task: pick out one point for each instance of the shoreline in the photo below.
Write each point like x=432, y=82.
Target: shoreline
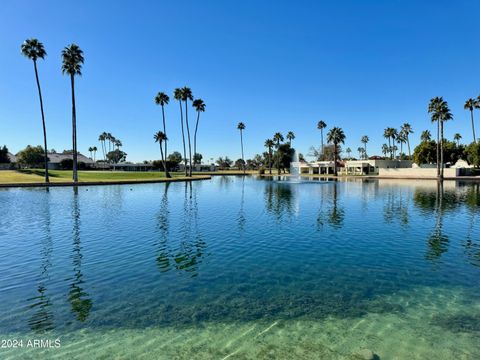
x=98, y=183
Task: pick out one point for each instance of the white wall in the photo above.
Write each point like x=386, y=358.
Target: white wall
x=416, y=172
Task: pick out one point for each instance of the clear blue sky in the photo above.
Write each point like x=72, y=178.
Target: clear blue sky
x=276, y=66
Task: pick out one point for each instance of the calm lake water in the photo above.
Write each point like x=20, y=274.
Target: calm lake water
x=242, y=268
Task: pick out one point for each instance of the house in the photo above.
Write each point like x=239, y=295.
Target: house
x=372, y=166
x=55, y=159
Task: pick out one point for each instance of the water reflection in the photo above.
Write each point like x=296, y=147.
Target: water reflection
x=438, y=240
x=186, y=254
x=241, y=214
x=79, y=299
x=334, y=215
x=279, y=199
x=42, y=319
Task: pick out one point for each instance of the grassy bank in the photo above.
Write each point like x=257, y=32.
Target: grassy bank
x=33, y=176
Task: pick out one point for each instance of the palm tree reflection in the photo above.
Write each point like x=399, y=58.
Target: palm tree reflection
x=438, y=241
x=279, y=199
x=335, y=214
x=472, y=246
x=241, y=213
x=42, y=319
x=163, y=259
x=79, y=299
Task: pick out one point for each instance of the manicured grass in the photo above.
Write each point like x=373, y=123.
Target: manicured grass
x=37, y=176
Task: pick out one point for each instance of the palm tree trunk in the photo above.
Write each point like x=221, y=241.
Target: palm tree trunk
x=241, y=143
x=270, y=160
x=438, y=148
x=390, y=147
x=365, y=151
x=441, y=150
x=189, y=141
x=321, y=134
x=195, y=135
x=74, y=130
x=167, y=174
x=43, y=123
x=473, y=126
x=335, y=171
x=163, y=160
x=183, y=138
x=401, y=150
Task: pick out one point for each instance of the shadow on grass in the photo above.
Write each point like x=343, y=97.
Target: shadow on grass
x=36, y=172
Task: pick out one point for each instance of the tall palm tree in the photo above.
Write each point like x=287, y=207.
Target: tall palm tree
x=361, y=152
x=472, y=104
x=269, y=145
x=457, y=137
x=178, y=95
x=241, y=127
x=118, y=143
x=336, y=136
x=34, y=50
x=407, y=130
x=290, y=137
x=321, y=125
x=389, y=134
x=277, y=138
x=160, y=137
x=162, y=99
x=348, y=151
x=365, y=140
x=438, y=108
x=90, y=150
x=102, y=137
x=187, y=95
x=94, y=149
x=72, y=60
x=426, y=136
x=199, y=106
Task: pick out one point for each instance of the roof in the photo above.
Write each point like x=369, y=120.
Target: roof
x=12, y=157
x=57, y=158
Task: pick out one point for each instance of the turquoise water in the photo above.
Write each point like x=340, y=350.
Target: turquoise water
x=242, y=268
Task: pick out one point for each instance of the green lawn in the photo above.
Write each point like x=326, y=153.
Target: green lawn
x=37, y=176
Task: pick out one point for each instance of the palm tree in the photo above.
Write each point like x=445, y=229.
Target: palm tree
x=361, y=152
x=365, y=140
x=94, y=149
x=426, y=136
x=199, y=106
x=321, y=125
x=471, y=104
x=241, y=127
x=162, y=99
x=457, y=138
x=336, y=136
x=118, y=144
x=438, y=108
x=34, y=50
x=72, y=60
x=348, y=151
x=102, y=137
x=90, y=150
x=187, y=95
x=277, y=138
x=178, y=95
x=401, y=139
x=385, y=150
x=290, y=137
x=269, y=144
x=390, y=134
x=407, y=130
x=160, y=137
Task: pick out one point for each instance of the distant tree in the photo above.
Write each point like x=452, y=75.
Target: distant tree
x=94, y=149
x=457, y=137
x=72, y=60
x=290, y=137
x=162, y=99
x=426, y=136
x=160, y=137
x=336, y=136
x=241, y=127
x=472, y=104
x=240, y=164
x=438, y=108
x=385, y=150
x=320, y=126
x=4, y=159
x=224, y=163
x=34, y=50
x=197, y=159
x=31, y=156
x=473, y=154
x=365, y=140
x=277, y=138
x=284, y=157
x=175, y=158
x=425, y=153
x=116, y=156
x=187, y=95
x=401, y=139
x=90, y=150
x=361, y=152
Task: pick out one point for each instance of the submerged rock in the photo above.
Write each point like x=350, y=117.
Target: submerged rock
x=366, y=354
